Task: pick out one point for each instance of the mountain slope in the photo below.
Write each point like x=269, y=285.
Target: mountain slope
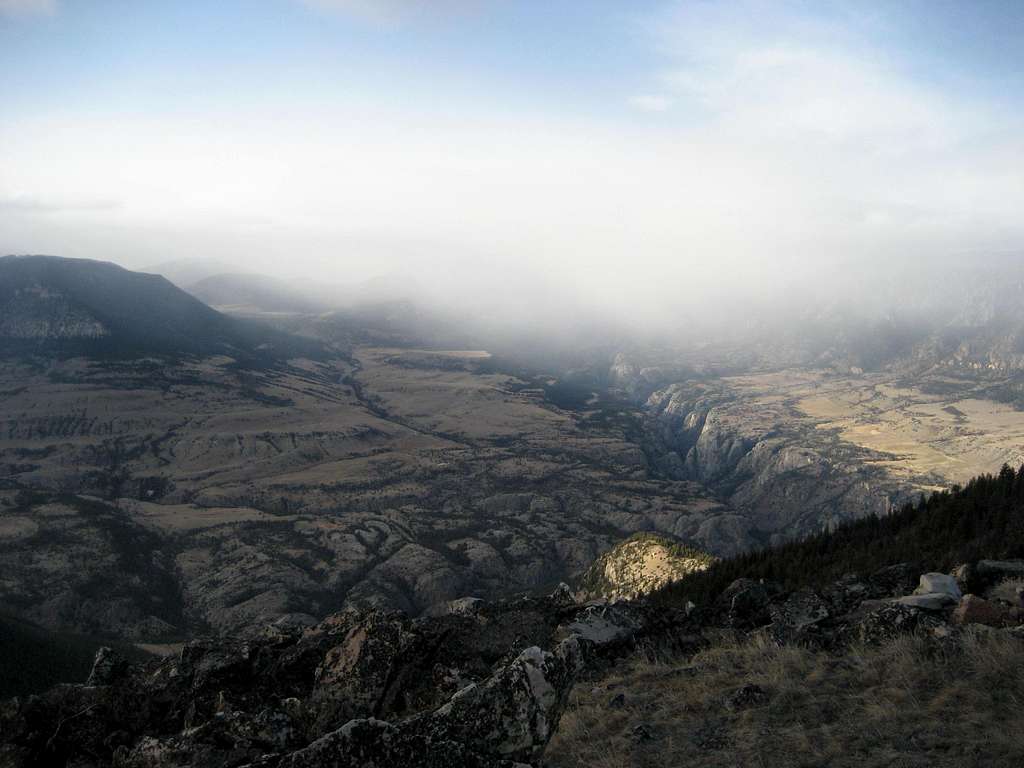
x=984, y=519
x=78, y=306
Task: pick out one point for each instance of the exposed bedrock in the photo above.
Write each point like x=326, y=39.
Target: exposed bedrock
x=482, y=685
x=785, y=476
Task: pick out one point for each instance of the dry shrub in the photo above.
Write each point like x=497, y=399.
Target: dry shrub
x=1006, y=591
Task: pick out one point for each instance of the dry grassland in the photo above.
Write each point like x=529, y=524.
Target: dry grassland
x=910, y=703
x=942, y=438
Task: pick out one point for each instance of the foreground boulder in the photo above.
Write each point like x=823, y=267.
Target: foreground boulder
x=507, y=719
x=798, y=617
x=976, y=610
x=745, y=603
x=932, y=601
x=938, y=584
x=934, y=592
x=884, y=624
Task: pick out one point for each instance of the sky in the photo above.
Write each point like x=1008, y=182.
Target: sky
x=633, y=156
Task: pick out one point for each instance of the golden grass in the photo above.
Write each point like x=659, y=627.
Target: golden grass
x=956, y=439
x=911, y=703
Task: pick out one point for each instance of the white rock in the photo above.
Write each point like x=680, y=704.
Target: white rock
x=934, y=601
x=933, y=583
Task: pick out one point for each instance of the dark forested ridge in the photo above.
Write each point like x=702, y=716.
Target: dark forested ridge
x=73, y=307
x=984, y=519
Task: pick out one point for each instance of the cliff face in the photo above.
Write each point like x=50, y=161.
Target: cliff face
x=767, y=461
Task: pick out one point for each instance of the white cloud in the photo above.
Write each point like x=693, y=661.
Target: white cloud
x=776, y=71
x=27, y=7
x=389, y=11
x=20, y=202
x=789, y=146
x=652, y=102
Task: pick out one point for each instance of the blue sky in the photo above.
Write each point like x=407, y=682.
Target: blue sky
x=190, y=55
x=559, y=142
x=582, y=57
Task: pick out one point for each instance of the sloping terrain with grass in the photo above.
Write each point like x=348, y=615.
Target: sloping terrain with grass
x=937, y=695
x=910, y=703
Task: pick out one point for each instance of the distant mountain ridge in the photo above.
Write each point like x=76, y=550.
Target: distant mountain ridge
x=79, y=306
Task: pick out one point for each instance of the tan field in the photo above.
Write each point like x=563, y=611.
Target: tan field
x=955, y=439
x=946, y=438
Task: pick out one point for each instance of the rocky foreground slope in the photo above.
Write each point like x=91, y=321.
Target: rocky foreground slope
x=487, y=684
x=482, y=685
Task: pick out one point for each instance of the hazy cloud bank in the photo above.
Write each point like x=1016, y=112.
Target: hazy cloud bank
x=769, y=147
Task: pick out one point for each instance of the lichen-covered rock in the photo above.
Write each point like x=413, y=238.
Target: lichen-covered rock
x=604, y=625
x=745, y=602
x=933, y=601
x=845, y=594
x=508, y=718
x=887, y=623
x=562, y=596
x=360, y=675
x=966, y=577
x=107, y=667
x=894, y=580
x=359, y=688
x=514, y=713
x=796, y=618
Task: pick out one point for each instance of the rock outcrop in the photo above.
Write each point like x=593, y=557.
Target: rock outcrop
x=767, y=461
x=482, y=686
x=977, y=610
x=639, y=565
x=485, y=688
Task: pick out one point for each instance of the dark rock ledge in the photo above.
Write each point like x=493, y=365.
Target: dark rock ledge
x=479, y=687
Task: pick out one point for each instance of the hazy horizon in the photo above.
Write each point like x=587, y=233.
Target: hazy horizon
x=594, y=156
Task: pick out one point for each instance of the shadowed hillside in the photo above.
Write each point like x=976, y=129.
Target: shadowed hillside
x=33, y=658
x=77, y=306
x=984, y=519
